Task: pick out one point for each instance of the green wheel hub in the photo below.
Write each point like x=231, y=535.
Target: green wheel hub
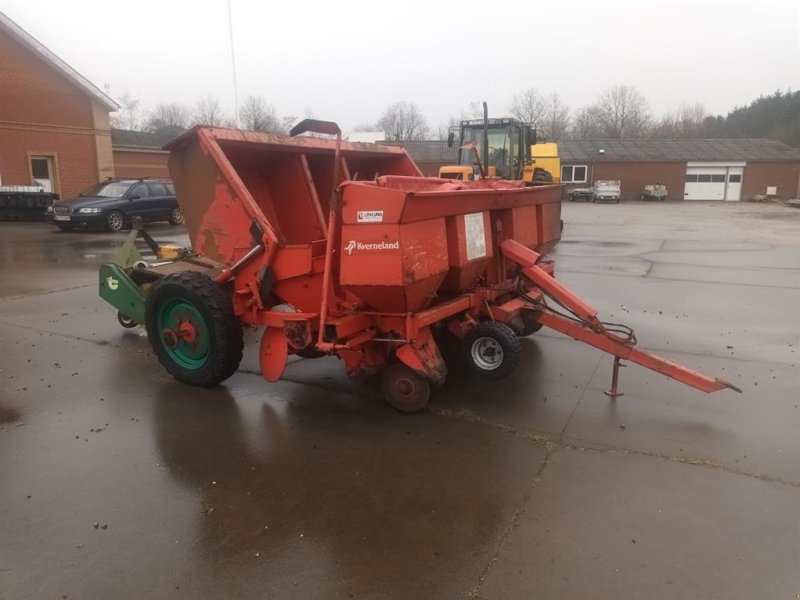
x=184, y=333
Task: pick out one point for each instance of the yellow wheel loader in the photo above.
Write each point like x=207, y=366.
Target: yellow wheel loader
x=502, y=149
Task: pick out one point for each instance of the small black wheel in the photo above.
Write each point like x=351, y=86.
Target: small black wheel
x=492, y=349
x=176, y=216
x=115, y=221
x=529, y=324
x=65, y=227
x=405, y=389
x=192, y=328
x=126, y=322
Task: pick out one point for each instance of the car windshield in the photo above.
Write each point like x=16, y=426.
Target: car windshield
x=108, y=189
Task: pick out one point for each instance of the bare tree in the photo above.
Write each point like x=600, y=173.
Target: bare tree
x=208, y=111
x=366, y=126
x=529, y=106
x=256, y=114
x=288, y=122
x=474, y=110
x=453, y=124
x=167, y=117
x=624, y=112
x=587, y=124
x=403, y=121
x=556, y=118
x=688, y=121
x=129, y=116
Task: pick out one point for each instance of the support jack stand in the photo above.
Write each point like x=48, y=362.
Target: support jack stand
x=613, y=393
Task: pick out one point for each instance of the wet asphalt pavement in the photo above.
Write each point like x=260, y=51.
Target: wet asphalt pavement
x=117, y=482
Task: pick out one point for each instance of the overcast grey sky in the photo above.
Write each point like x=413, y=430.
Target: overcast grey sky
x=347, y=60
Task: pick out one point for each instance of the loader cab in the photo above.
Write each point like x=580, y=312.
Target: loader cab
x=507, y=145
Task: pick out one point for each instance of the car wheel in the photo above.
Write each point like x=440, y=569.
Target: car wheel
x=65, y=227
x=115, y=221
x=176, y=216
x=192, y=328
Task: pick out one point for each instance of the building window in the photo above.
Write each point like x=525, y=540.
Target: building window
x=573, y=174
x=734, y=178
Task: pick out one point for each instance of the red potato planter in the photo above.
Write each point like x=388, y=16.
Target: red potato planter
x=344, y=249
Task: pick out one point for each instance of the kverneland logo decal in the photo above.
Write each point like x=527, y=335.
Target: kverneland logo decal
x=354, y=246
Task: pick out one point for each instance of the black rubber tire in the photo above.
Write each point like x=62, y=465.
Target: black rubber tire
x=176, y=216
x=542, y=176
x=216, y=308
x=480, y=359
x=126, y=322
x=65, y=227
x=115, y=221
x=529, y=324
x=405, y=389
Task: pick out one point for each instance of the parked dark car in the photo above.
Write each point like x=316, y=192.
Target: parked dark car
x=112, y=205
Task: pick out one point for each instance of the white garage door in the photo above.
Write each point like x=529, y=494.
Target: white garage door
x=713, y=182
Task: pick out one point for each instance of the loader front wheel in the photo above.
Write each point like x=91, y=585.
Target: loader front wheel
x=405, y=389
x=192, y=329
x=492, y=349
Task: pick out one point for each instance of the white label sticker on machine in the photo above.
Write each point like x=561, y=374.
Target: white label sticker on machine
x=476, y=236
x=369, y=216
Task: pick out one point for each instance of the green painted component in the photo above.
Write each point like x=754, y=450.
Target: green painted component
x=175, y=315
x=120, y=291
x=128, y=255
